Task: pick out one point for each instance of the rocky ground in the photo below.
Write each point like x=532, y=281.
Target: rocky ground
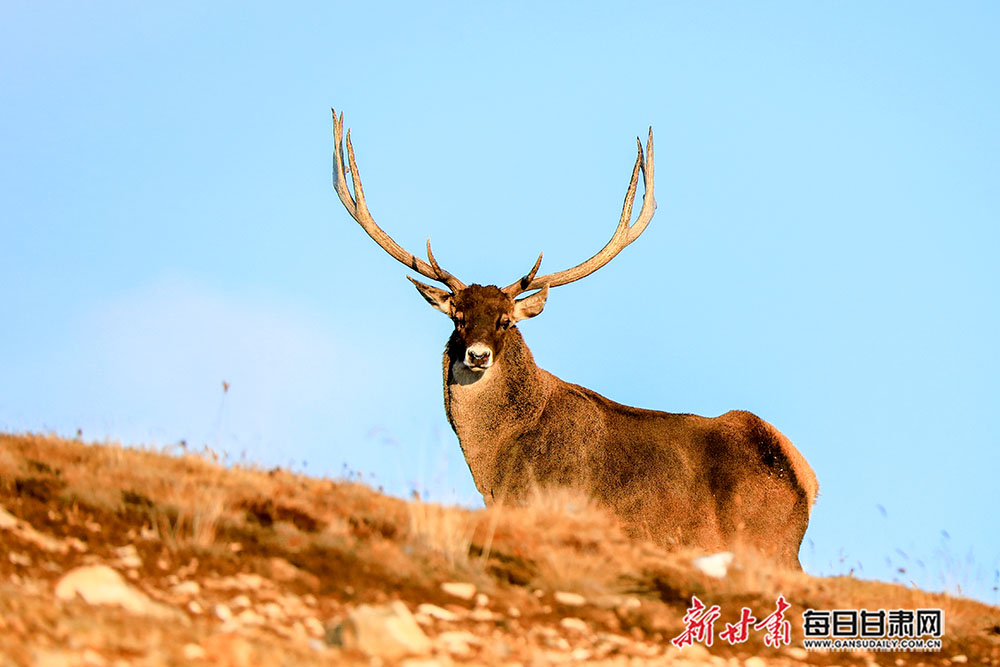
x=119, y=556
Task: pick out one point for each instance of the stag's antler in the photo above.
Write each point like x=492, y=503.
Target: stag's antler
x=623, y=235
x=359, y=211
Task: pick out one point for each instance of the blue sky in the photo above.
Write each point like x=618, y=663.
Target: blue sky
x=824, y=253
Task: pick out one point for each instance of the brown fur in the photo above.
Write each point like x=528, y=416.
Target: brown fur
x=716, y=483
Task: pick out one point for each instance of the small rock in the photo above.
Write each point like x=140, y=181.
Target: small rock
x=250, y=617
x=220, y=584
x=960, y=658
x=613, y=639
x=76, y=544
x=26, y=532
x=754, y=661
x=715, y=565
x=481, y=615
x=252, y=582
x=7, y=520
x=514, y=612
x=458, y=589
x=482, y=600
x=128, y=556
x=195, y=608
x=580, y=655
x=283, y=571
x=273, y=611
x=222, y=612
x=313, y=626
x=570, y=599
x=186, y=589
x=99, y=584
x=240, y=602
x=386, y=631
x=194, y=652
x=24, y=560
x=575, y=624
x=440, y=613
x=457, y=642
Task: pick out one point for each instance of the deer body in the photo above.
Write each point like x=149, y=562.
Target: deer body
x=714, y=483
x=678, y=479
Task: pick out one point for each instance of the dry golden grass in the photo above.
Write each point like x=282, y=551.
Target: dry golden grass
x=350, y=544
x=446, y=531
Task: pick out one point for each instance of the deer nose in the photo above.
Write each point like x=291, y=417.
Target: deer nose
x=478, y=356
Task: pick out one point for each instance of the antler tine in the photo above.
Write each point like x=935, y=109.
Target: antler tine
x=339, y=180
x=624, y=232
x=356, y=206
x=443, y=276
x=521, y=285
x=648, y=203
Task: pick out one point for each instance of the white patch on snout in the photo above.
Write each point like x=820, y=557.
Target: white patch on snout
x=479, y=350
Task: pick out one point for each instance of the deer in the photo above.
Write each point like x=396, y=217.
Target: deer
x=680, y=480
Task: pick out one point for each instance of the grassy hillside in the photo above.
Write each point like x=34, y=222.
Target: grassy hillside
x=258, y=567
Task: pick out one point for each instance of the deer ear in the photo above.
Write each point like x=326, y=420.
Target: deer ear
x=439, y=298
x=530, y=306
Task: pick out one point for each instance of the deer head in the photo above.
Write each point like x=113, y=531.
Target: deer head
x=483, y=315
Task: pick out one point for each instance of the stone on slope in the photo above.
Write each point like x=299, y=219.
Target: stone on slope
x=715, y=565
x=99, y=584
x=459, y=589
x=570, y=599
x=387, y=631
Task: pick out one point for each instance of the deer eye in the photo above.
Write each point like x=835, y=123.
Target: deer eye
x=459, y=319
x=504, y=322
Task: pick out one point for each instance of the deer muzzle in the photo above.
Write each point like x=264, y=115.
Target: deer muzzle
x=478, y=357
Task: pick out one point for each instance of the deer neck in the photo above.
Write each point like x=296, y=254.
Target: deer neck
x=487, y=409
